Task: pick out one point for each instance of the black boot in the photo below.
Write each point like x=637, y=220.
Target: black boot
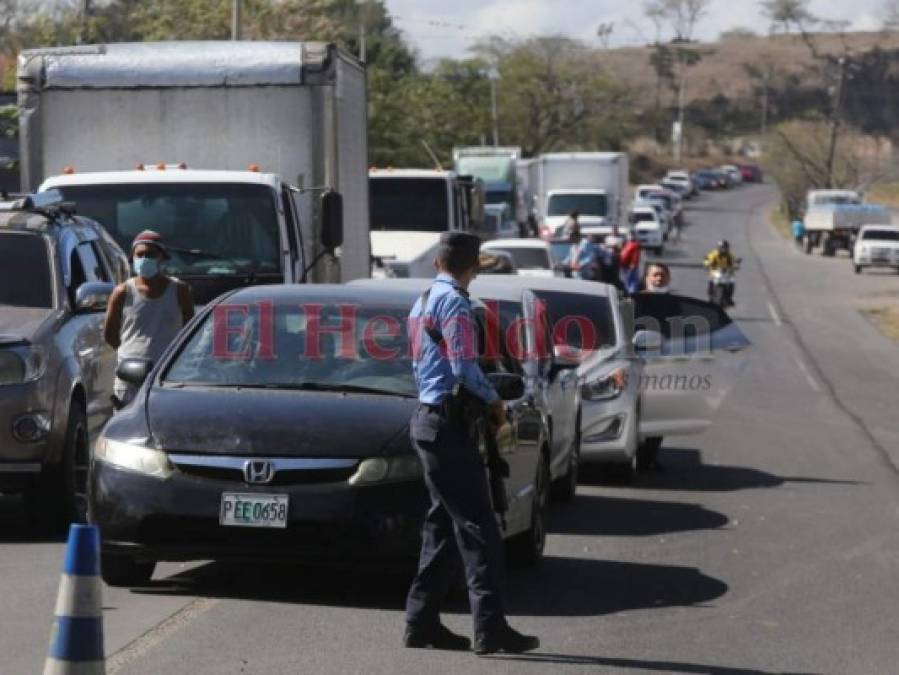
x=504, y=639
x=439, y=637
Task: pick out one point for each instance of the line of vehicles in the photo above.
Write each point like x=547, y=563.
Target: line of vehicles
x=275, y=425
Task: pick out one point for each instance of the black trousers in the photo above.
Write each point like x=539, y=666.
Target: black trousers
x=460, y=518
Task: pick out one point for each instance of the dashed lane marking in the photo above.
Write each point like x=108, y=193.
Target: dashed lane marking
x=774, y=314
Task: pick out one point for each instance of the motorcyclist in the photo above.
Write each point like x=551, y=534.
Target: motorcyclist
x=721, y=259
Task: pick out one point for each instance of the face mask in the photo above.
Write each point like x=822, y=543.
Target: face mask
x=146, y=267
x=659, y=289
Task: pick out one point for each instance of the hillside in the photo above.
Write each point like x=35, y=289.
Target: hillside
x=722, y=70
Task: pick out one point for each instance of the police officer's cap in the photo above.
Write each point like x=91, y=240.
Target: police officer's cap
x=462, y=246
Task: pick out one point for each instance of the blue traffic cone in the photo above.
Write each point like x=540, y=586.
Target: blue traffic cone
x=76, y=643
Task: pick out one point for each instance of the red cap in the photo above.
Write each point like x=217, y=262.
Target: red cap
x=151, y=238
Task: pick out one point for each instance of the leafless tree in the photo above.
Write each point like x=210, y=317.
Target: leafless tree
x=889, y=14
x=681, y=16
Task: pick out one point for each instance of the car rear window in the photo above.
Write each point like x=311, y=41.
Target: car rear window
x=526, y=258
x=881, y=235
x=567, y=312
x=25, y=277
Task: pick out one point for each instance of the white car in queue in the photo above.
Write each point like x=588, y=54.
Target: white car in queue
x=532, y=257
x=646, y=223
x=876, y=246
x=655, y=366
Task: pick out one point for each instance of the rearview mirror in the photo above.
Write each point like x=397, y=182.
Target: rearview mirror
x=93, y=296
x=509, y=386
x=134, y=371
x=648, y=341
x=332, y=219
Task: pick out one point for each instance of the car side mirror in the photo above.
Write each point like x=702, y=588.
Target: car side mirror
x=566, y=357
x=648, y=341
x=332, y=219
x=134, y=370
x=509, y=386
x=93, y=296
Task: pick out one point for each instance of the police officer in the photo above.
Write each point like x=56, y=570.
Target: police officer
x=442, y=332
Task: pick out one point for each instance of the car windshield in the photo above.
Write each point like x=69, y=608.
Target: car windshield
x=580, y=320
x=881, y=235
x=526, y=258
x=585, y=205
x=210, y=229
x=408, y=204
x=641, y=218
x=311, y=345
x=25, y=277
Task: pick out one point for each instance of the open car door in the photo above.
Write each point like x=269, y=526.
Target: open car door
x=690, y=370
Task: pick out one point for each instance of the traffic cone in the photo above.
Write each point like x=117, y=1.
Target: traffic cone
x=76, y=643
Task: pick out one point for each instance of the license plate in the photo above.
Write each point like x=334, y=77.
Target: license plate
x=253, y=510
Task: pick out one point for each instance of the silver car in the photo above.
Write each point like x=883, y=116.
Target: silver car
x=57, y=271
x=658, y=365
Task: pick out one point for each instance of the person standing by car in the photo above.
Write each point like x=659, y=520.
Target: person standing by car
x=629, y=263
x=798, y=231
x=146, y=312
x=581, y=259
x=442, y=332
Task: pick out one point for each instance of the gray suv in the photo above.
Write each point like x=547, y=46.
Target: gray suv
x=57, y=271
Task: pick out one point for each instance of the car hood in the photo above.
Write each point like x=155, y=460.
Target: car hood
x=21, y=323
x=276, y=423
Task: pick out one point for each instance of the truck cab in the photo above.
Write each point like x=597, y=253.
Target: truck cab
x=592, y=207
x=224, y=229
x=409, y=210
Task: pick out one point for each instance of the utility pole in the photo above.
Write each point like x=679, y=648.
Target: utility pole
x=235, y=19
x=493, y=75
x=82, y=26
x=835, y=121
x=362, y=45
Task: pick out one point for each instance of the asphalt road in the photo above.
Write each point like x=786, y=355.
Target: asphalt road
x=768, y=545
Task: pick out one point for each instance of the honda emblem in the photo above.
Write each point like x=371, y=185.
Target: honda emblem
x=258, y=471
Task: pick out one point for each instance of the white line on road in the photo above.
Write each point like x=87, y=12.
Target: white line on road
x=774, y=314
x=808, y=376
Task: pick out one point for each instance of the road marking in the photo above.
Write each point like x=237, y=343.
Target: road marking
x=808, y=376
x=139, y=646
x=774, y=315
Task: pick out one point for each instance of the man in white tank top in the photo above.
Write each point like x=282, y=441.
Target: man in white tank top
x=146, y=312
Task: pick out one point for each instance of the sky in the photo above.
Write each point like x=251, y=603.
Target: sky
x=446, y=28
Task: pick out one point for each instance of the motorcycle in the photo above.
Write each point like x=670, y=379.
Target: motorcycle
x=721, y=285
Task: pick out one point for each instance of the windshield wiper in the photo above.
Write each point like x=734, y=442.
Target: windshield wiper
x=199, y=252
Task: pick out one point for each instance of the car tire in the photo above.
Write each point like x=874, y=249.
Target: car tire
x=858, y=269
x=125, y=571
x=621, y=473
x=526, y=549
x=565, y=487
x=647, y=451
x=59, y=496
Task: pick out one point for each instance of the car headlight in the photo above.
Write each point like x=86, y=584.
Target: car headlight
x=134, y=457
x=386, y=470
x=607, y=387
x=22, y=364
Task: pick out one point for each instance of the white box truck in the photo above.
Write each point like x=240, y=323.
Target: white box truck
x=410, y=208
x=246, y=156
x=592, y=183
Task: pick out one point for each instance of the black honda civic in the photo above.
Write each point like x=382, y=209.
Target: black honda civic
x=276, y=427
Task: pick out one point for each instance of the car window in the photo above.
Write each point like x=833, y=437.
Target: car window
x=677, y=317
x=77, y=275
x=881, y=235
x=579, y=320
x=93, y=269
x=24, y=257
x=526, y=258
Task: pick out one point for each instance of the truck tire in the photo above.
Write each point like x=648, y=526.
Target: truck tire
x=125, y=571
x=807, y=245
x=827, y=249
x=858, y=269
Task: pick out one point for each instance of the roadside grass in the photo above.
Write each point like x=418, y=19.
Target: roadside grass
x=886, y=319
x=781, y=223
x=884, y=193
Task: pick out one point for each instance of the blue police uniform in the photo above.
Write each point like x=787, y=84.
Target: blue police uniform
x=460, y=514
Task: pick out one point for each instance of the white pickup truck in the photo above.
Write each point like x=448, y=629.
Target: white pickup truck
x=876, y=246
x=834, y=217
